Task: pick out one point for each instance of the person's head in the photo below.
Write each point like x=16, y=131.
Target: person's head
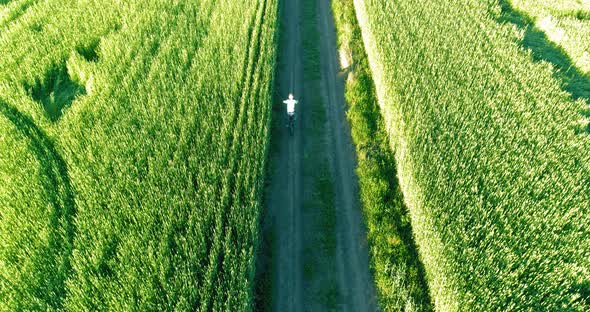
x=290, y=96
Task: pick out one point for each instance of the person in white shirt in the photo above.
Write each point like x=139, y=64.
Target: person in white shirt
x=291, y=102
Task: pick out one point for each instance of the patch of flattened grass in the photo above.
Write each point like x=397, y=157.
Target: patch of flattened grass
x=37, y=27
x=56, y=91
x=89, y=51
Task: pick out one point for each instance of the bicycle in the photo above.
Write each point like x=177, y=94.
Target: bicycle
x=291, y=123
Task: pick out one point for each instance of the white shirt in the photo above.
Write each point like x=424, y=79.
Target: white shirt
x=290, y=106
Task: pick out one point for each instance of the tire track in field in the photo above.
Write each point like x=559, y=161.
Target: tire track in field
x=216, y=254
x=240, y=170
x=60, y=196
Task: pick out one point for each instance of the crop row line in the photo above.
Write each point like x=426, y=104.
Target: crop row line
x=60, y=196
x=229, y=185
x=13, y=11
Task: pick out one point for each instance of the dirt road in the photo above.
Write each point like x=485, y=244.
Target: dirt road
x=309, y=272
x=285, y=192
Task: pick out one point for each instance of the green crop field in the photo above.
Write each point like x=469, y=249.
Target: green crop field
x=133, y=138
x=493, y=155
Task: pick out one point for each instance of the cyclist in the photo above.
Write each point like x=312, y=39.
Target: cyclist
x=291, y=102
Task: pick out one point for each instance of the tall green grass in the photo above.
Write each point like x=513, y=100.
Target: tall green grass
x=164, y=149
x=492, y=167
x=11, y=10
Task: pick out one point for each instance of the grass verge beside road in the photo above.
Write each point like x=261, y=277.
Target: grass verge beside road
x=395, y=264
